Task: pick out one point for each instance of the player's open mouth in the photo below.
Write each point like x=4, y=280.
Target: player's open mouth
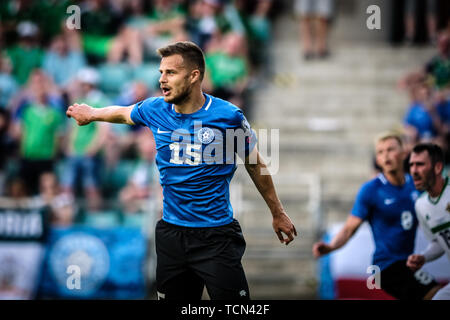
x=165, y=91
x=417, y=179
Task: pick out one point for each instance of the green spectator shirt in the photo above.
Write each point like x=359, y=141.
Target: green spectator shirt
x=98, y=29
x=225, y=70
x=440, y=70
x=84, y=135
x=24, y=61
x=40, y=128
x=174, y=12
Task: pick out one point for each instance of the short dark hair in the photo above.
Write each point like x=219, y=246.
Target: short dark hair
x=191, y=53
x=434, y=151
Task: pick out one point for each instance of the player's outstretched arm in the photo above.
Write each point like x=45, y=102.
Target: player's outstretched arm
x=348, y=230
x=281, y=223
x=85, y=114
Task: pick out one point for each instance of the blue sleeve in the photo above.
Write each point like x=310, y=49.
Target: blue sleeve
x=361, y=207
x=141, y=113
x=250, y=136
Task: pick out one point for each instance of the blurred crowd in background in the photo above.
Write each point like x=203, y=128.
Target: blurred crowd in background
x=101, y=172
x=427, y=117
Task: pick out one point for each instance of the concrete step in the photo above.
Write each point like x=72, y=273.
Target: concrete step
x=272, y=280
x=362, y=128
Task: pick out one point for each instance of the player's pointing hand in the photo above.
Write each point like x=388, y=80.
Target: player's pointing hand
x=82, y=113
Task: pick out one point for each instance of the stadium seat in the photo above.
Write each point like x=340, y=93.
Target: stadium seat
x=116, y=178
x=147, y=73
x=113, y=77
x=133, y=220
x=102, y=219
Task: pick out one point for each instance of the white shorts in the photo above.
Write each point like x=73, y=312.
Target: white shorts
x=321, y=8
x=443, y=294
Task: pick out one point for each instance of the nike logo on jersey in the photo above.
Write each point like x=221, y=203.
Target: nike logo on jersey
x=161, y=131
x=389, y=201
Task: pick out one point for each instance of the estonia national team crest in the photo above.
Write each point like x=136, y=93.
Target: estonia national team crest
x=205, y=135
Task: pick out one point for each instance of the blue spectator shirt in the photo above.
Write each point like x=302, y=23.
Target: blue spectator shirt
x=195, y=157
x=443, y=110
x=419, y=118
x=63, y=69
x=390, y=212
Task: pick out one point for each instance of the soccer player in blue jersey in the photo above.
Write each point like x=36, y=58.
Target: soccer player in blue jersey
x=387, y=203
x=198, y=242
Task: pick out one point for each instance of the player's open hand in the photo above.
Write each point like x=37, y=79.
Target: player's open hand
x=282, y=224
x=320, y=248
x=415, y=261
x=82, y=113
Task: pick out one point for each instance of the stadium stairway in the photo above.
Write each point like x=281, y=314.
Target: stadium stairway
x=327, y=113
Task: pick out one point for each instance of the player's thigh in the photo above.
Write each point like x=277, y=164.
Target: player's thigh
x=169, y=244
x=443, y=293
x=230, y=284
x=171, y=256
x=403, y=284
x=221, y=266
x=185, y=286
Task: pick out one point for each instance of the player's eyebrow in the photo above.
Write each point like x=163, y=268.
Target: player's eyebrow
x=167, y=70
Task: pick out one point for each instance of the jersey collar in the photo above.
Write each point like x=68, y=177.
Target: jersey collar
x=385, y=181
x=206, y=105
x=436, y=200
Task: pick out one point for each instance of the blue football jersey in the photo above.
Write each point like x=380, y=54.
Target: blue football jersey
x=390, y=212
x=196, y=157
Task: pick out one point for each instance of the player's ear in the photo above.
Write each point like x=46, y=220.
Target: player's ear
x=438, y=167
x=195, y=75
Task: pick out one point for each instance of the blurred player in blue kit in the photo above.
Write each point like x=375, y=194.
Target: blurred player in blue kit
x=198, y=242
x=387, y=203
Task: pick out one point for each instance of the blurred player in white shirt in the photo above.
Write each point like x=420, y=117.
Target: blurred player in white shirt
x=432, y=208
